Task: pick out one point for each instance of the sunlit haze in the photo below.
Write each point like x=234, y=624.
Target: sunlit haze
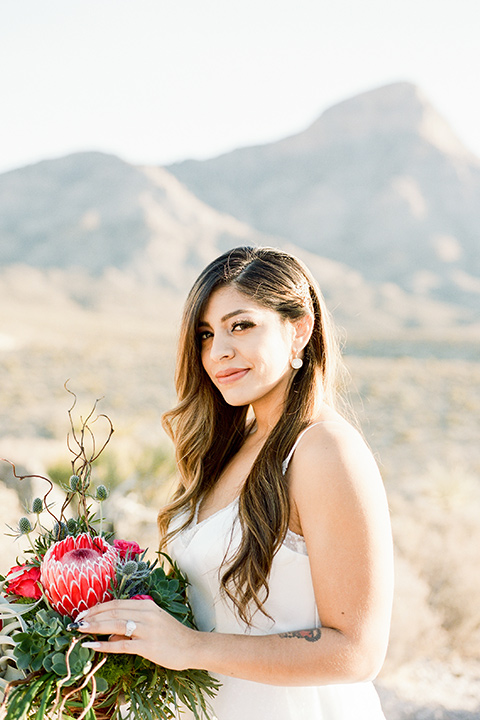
x=154, y=81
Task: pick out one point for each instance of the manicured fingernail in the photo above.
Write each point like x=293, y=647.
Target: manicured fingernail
x=79, y=625
x=91, y=644
x=81, y=615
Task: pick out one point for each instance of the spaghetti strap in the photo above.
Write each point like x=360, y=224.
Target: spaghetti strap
x=286, y=462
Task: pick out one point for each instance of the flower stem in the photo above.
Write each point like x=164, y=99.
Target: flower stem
x=30, y=541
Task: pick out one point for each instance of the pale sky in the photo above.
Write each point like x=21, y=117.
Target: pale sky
x=154, y=81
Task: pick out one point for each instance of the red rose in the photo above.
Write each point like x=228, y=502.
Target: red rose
x=127, y=550
x=26, y=583
x=141, y=597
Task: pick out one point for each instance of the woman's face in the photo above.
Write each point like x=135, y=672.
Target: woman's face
x=246, y=348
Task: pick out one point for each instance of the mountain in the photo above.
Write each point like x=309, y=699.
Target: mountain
x=94, y=212
x=92, y=232
x=379, y=182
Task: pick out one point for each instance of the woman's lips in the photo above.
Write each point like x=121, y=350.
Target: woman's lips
x=230, y=376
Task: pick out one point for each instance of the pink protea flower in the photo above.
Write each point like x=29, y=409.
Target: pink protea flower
x=77, y=573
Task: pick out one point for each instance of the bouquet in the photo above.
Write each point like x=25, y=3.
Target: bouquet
x=45, y=672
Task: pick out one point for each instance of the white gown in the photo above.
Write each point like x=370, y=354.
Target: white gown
x=199, y=551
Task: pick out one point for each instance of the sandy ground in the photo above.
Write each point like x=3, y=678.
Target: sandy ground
x=432, y=690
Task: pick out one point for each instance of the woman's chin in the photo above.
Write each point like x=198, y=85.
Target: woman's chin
x=235, y=402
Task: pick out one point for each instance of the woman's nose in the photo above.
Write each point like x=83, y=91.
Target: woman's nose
x=221, y=347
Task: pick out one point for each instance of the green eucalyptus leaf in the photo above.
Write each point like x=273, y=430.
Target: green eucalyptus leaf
x=176, y=607
x=60, y=642
x=20, y=637
x=46, y=633
x=42, y=616
x=102, y=685
x=23, y=660
x=84, y=654
x=47, y=663
x=36, y=663
x=59, y=666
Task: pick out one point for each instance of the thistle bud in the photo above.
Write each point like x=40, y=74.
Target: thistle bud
x=60, y=531
x=102, y=493
x=74, y=483
x=37, y=506
x=24, y=525
x=71, y=525
x=130, y=567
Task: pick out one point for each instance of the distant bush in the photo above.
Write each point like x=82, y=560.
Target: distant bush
x=437, y=535
x=146, y=470
x=59, y=472
x=416, y=626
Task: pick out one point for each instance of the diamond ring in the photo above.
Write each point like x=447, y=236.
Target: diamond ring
x=130, y=627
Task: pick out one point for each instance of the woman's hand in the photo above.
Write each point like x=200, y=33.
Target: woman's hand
x=157, y=636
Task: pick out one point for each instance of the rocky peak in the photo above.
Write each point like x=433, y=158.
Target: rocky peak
x=400, y=108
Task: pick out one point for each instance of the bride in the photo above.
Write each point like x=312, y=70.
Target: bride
x=280, y=519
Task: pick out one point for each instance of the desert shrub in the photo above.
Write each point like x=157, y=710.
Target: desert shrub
x=106, y=471
x=436, y=530
x=154, y=473
x=416, y=630
x=59, y=472
x=145, y=470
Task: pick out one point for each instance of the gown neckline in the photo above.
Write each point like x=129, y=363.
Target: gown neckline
x=196, y=523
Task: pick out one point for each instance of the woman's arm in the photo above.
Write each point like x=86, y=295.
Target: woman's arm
x=343, y=514
x=339, y=503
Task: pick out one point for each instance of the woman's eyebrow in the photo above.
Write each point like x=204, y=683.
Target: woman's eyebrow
x=204, y=323
x=231, y=314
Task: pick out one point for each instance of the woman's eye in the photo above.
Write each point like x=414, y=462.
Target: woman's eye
x=242, y=325
x=204, y=335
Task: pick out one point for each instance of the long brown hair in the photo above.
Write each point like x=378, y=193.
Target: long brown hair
x=207, y=432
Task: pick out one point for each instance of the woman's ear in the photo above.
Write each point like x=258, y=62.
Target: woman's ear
x=303, y=331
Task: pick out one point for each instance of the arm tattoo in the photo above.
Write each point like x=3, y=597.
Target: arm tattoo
x=308, y=635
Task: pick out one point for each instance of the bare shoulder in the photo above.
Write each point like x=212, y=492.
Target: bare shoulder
x=330, y=443
x=332, y=465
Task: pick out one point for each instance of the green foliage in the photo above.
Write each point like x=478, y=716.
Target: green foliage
x=46, y=643
x=117, y=667
x=153, y=691
x=52, y=657
x=169, y=593
x=24, y=697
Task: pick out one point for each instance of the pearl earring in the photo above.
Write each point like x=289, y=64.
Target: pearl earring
x=296, y=363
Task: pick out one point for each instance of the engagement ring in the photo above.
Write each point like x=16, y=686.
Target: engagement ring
x=130, y=627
